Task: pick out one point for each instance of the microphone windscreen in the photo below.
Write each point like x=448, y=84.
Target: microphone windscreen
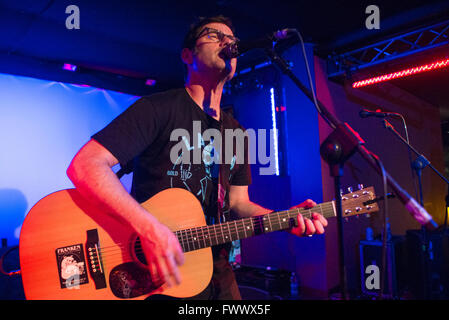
x=230, y=51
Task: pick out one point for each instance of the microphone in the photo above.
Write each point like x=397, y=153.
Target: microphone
x=364, y=113
x=234, y=49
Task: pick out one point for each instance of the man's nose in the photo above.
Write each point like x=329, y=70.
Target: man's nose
x=226, y=40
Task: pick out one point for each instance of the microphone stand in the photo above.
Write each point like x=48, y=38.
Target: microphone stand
x=339, y=146
x=418, y=165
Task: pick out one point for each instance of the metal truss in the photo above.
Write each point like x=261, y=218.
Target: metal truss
x=394, y=48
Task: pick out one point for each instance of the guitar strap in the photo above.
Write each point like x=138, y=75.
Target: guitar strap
x=221, y=175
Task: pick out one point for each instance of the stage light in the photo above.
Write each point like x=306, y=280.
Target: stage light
x=275, y=130
x=280, y=109
x=403, y=73
x=150, y=82
x=69, y=67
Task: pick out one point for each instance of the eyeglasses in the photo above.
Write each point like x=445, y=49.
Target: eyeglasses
x=215, y=35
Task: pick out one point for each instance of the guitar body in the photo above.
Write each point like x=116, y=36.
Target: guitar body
x=69, y=250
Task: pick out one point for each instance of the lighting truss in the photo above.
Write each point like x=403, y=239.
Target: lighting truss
x=406, y=44
x=402, y=73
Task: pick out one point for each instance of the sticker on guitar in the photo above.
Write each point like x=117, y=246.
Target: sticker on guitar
x=71, y=266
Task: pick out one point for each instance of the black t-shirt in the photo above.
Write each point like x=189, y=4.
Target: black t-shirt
x=155, y=134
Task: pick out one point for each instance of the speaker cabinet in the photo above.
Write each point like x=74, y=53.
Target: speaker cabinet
x=257, y=283
x=371, y=267
x=428, y=277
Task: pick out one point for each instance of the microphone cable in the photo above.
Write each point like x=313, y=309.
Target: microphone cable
x=3, y=256
x=409, y=156
x=383, y=271
x=309, y=77
x=384, y=177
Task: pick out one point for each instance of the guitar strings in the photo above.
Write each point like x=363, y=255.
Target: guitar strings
x=198, y=235
x=187, y=237
x=118, y=254
x=273, y=221
x=138, y=248
x=188, y=241
x=113, y=252
x=214, y=234
x=190, y=236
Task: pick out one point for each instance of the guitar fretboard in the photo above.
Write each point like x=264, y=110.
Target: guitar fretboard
x=208, y=236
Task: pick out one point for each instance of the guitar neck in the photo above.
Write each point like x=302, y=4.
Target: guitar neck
x=208, y=236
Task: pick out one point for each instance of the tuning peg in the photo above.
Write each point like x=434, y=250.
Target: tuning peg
x=360, y=186
x=350, y=189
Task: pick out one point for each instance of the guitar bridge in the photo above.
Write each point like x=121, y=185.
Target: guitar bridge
x=94, y=260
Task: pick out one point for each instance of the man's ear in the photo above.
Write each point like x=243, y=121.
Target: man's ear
x=187, y=56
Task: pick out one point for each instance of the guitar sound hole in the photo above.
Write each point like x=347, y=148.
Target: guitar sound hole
x=138, y=251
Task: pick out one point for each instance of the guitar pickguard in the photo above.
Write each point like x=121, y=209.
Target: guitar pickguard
x=129, y=280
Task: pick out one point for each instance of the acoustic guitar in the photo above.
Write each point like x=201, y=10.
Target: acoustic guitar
x=70, y=251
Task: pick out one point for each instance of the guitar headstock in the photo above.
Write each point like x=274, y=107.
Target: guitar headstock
x=354, y=203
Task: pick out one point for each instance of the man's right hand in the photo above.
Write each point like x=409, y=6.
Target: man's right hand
x=163, y=254
x=91, y=173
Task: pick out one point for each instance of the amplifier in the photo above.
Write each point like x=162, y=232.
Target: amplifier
x=428, y=278
x=258, y=283
x=371, y=267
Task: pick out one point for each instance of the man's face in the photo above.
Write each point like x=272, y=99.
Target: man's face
x=206, y=54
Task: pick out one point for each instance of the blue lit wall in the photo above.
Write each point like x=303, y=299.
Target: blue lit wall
x=42, y=126
x=309, y=254
x=303, y=180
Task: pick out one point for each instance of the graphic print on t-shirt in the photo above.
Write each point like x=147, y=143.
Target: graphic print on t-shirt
x=141, y=136
x=206, y=172
x=181, y=171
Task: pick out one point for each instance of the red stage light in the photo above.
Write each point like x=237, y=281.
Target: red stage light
x=402, y=73
x=150, y=82
x=69, y=67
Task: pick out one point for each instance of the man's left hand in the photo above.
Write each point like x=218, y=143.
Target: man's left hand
x=308, y=227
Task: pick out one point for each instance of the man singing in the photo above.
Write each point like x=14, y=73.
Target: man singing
x=141, y=136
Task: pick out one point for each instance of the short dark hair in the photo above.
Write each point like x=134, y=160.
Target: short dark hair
x=196, y=28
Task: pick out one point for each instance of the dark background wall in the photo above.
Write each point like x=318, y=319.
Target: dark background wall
x=423, y=122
